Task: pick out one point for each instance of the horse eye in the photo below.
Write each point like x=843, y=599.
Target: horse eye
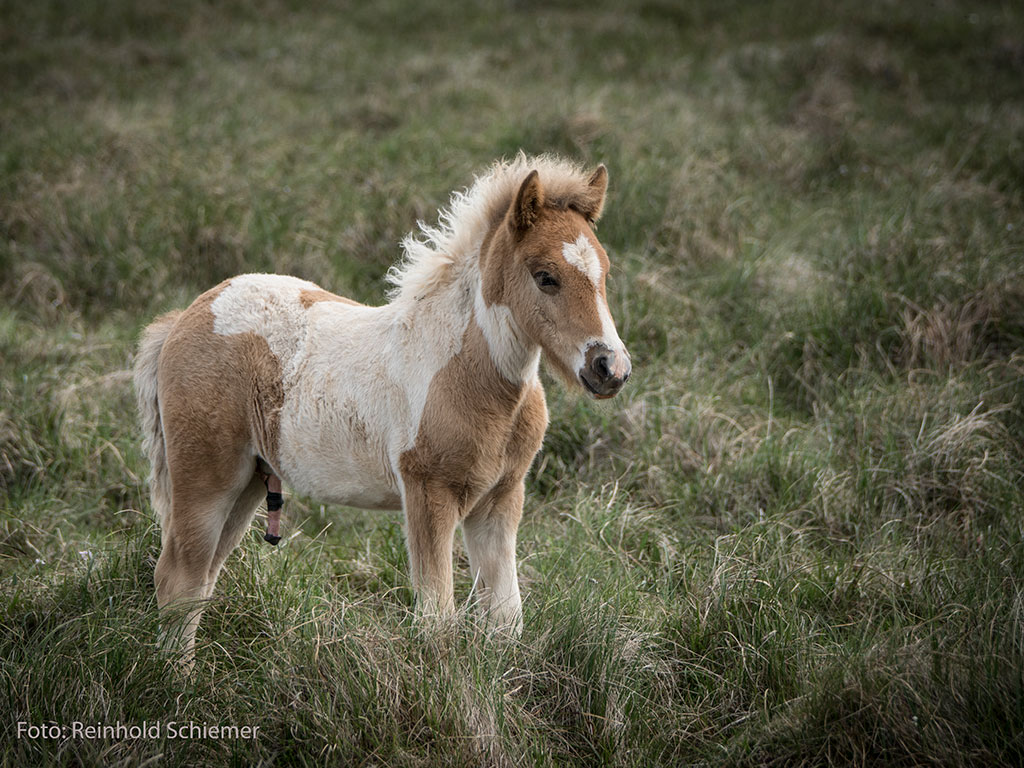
x=546, y=282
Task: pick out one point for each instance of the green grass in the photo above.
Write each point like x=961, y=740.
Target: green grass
x=795, y=539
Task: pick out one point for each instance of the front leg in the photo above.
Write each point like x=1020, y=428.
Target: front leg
x=490, y=534
x=431, y=515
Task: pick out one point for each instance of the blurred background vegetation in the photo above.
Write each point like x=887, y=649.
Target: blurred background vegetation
x=795, y=539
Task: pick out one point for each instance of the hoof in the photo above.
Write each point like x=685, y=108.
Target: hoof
x=269, y=537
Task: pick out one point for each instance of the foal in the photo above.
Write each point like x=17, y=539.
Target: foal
x=430, y=403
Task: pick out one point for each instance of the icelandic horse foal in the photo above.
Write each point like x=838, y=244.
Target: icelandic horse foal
x=430, y=403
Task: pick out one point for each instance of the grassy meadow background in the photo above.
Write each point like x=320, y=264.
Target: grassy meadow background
x=794, y=539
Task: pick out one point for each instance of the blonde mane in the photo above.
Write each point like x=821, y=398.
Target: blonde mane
x=436, y=253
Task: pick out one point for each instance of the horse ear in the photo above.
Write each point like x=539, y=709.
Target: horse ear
x=529, y=201
x=593, y=199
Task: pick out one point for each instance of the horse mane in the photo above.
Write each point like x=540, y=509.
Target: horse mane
x=434, y=254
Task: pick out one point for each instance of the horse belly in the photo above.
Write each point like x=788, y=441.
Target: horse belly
x=329, y=451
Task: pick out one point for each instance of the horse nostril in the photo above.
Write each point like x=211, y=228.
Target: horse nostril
x=625, y=378
x=601, y=367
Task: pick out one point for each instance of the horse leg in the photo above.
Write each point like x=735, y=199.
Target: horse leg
x=430, y=529
x=490, y=535
x=237, y=523
x=202, y=503
x=183, y=573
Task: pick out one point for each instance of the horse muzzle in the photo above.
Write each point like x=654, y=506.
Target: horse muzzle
x=605, y=371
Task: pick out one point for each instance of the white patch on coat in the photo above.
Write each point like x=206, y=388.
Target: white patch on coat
x=581, y=254
x=514, y=355
x=269, y=306
x=609, y=333
x=356, y=379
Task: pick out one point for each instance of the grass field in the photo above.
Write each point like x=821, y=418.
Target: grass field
x=796, y=538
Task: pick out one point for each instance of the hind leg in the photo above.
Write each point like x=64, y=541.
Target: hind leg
x=182, y=579
x=185, y=574
x=237, y=523
x=202, y=504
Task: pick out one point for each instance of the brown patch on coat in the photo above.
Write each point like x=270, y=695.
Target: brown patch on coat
x=476, y=439
x=220, y=398
x=308, y=297
x=477, y=430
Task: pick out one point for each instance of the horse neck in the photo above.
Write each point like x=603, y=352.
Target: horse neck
x=454, y=311
x=515, y=357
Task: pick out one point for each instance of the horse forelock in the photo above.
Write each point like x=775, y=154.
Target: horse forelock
x=434, y=254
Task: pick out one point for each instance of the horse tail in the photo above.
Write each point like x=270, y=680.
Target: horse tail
x=146, y=365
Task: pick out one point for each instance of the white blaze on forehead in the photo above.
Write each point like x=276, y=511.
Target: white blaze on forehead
x=581, y=254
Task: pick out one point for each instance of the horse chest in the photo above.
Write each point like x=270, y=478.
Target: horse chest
x=465, y=456
x=486, y=460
